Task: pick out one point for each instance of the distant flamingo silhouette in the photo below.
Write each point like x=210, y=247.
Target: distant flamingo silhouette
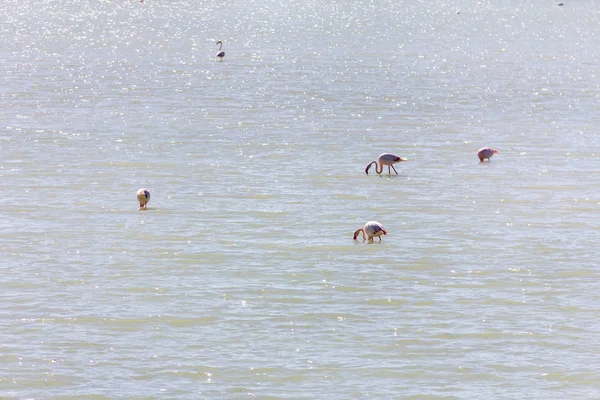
x=221, y=53
x=143, y=196
x=385, y=159
x=486, y=152
x=371, y=229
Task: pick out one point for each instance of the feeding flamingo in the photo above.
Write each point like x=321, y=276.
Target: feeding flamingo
x=385, y=159
x=371, y=229
x=486, y=152
x=143, y=196
x=221, y=53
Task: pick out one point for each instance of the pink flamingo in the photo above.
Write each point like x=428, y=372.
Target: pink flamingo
x=486, y=152
x=385, y=159
x=143, y=196
x=371, y=229
x=221, y=53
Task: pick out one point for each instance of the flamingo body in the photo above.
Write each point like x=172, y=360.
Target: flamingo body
x=372, y=229
x=486, y=152
x=385, y=159
x=221, y=53
x=143, y=196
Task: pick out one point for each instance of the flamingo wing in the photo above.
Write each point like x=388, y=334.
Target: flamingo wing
x=388, y=158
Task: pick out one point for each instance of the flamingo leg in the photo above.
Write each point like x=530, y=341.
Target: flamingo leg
x=395, y=170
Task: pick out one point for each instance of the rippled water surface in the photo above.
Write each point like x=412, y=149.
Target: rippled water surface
x=241, y=279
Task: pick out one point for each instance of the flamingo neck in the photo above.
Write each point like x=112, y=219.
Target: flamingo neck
x=378, y=167
x=359, y=231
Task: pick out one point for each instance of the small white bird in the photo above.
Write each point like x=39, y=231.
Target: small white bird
x=486, y=152
x=221, y=53
x=143, y=196
x=385, y=159
x=371, y=229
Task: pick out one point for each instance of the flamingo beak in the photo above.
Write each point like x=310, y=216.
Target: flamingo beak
x=384, y=232
x=403, y=159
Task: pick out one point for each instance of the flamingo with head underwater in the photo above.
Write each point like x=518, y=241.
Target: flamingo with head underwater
x=221, y=53
x=486, y=152
x=143, y=196
x=385, y=159
x=372, y=229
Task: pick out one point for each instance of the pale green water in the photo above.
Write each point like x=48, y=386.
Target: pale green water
x=242, y=278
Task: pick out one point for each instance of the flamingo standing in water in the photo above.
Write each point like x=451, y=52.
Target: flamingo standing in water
x=486, y=152
x=385, y=159
x=221, y=53
x=143, y=196
x=371, y=229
